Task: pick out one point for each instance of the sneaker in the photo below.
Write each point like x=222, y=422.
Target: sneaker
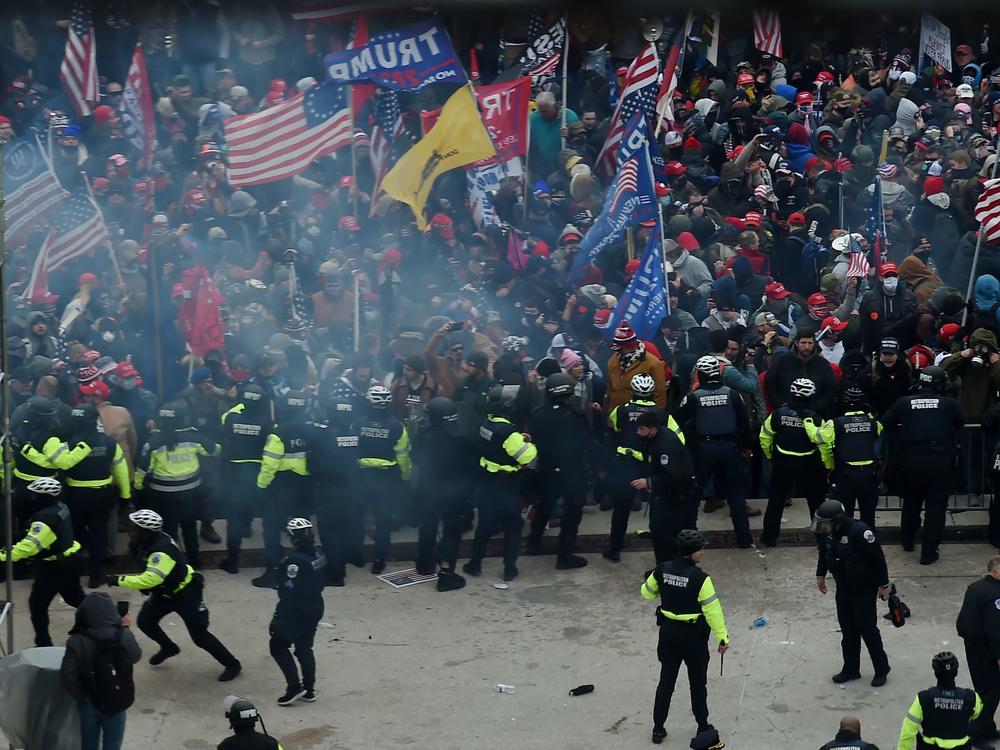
x=230, y=672
x=659, y=734
x=291, y=695
x=378, y=566
x=473, y=568
x=612, y=556
x=309, y=696
x=266, y=581
x=570, y=562
x=713, y=504
x=842, y=677
x=230, y=565
x=163, y=654
x=209, y=534
x=510, y=572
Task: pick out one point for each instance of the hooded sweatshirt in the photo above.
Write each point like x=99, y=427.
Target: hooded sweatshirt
x=97, y=622
x=922, y=280
x=976, y=384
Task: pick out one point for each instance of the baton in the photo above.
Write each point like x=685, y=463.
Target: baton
x=722, y=663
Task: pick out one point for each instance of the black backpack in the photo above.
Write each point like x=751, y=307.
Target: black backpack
x=111, y=687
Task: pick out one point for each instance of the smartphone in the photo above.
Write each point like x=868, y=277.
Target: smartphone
x=122, y=608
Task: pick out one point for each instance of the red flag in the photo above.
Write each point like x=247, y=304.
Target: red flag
x=200, y=313
x=138, y=117
x=504, y=111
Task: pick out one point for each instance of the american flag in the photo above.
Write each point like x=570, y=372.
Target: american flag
x=987, y=210
x=78, y=228
x=672, y=70
x=283, y=141
x=33, y=190
x=626, y=184
x=876, y=225
x=638, y=96
x=388, y=127
x=858, y=266
x=767, y=32
x=78, y=71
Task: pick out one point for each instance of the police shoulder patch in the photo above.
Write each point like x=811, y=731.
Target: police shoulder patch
x=155, y=558
x=292, y=570
x=664, y=459
x=869, y=536
x=997, y=603
x=37, y=528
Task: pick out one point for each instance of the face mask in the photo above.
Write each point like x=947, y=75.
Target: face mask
x=313, y=230
x=894, y=74
x=108, y=336
x=889, y=284
x=128, y=384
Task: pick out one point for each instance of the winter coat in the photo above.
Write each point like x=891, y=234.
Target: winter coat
x=976, y=384
x=790, y=367
x=881, y=312
x=961, y=267
x=97, y=622
x=885, y=385
x=619, y=383
x=921, y=280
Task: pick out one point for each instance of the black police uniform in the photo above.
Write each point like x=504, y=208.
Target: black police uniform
x=284, y=479
x=854, y=463
x=718, y=419
x=333, y=471
x=978, y=624
x=795, y=463
x=381, y=478
x=443, y=460
x=940, y=716
x=857, y=562
x=301, y=577
x=848, y=740
x=672, y=503
x=29, y=438
x=249, y=740
x=244, y=430
x=628, y=464
x=49, y=539
x=563, y=439
x=928, y=426
x=180, y=590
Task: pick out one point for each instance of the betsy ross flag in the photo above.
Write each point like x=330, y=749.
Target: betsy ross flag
x=78, y=229
x=987, y=211
x=283, y=141
x=78, y=71
x=638, y=98
x=767, y=31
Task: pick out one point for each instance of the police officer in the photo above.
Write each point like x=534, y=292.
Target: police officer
x=564, y=444
x=245, y=428
x=928, y=423
x=443, y=461
x=96, y=477
x=941, y=716
x=49, y=539
x=716, y=415
x=283, y=479
x=849, y=737
x=689, y=609
x=849, y=550
x=243, y=718
x=385, y=466
x=978, y=624
x=669, y=482
x=301, y=577
x=333, y=471
x=848, y=447
x=629, y=462
x=504, y=453
x=795, y=460
x=172, y=586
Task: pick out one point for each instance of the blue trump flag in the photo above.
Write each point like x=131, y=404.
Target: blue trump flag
x=630, y=197
x=644, y=302
x=405, y=60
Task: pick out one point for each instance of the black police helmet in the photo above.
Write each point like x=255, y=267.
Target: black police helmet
x=253, y=397
x=854, y=394
x=84, y=417
x=242, y=713
x=441, y=410
x=933, y=377
x=296, y=402
x=830, y=510
x=171, y=414
x=42, y=406
x=500, y=398
x=690, y=541
x=945, y=664
x=559, y=386
x=340, y=411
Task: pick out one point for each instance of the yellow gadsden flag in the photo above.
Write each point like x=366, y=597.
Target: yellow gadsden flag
x=458, y=138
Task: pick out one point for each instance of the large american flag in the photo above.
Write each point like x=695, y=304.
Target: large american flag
x=33, y=190
x=283, y=141
x=638, y=95
x=767, y=31
x=78, y=71
x=987, y=210
x=388, y=127
x=78, y=229
x=672, y=70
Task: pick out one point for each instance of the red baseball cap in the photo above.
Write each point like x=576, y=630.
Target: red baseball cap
x=948, y=331
x=688, y=241
x=776, y=290
x=797, y=219
x=887, y=269
x=834, y=324
x=675, y=168
x=662, y=191
x=347, y=181
x=803, y=97
x=816, y=300
x=88, y=278
x=125, y=369
x=95, y=388
x=753, y=219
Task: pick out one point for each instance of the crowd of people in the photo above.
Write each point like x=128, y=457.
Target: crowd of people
x=374, y=372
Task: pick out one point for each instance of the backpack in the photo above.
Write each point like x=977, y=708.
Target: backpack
x=111, y=688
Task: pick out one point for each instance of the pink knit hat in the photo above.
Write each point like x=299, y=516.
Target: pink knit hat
x=569, y=358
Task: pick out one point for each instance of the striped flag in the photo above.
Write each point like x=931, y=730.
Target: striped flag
x=767, y=32
x=388, y=127
x=78, y=229
x=987, y=210
x=284, y=140
x=626, y=184
x=858, y=266
x=78, y=71
x=32, y=189
x=638, y=97
x=672, y=70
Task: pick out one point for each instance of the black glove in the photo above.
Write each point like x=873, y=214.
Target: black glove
x=111, y=580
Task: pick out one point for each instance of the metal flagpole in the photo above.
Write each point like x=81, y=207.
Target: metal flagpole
x=354, y=161
x=357, y=311
x=565, y=73
x=8, y=459
x=979, y=241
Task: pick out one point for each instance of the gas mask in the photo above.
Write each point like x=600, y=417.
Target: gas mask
x=889, y=284
x=980, y=355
